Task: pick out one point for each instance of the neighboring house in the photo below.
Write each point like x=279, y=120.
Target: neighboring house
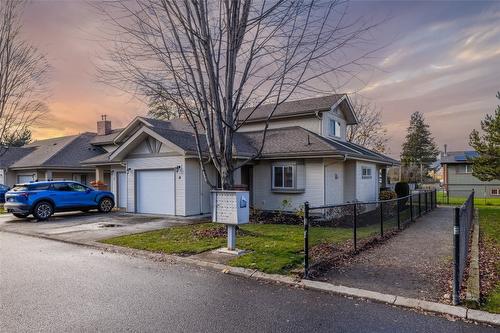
x=8, y=157
x=52, y=159
x=153, y=165
x=458, y=179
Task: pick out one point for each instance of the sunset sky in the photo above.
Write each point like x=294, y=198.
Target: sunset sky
x=441, y=58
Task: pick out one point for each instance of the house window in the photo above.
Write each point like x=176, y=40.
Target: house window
x=366, y=173
x=334, y=128
x=283, y=176
x=495, y=191
x=465, y=168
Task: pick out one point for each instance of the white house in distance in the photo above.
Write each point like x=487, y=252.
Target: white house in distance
x=152, y=165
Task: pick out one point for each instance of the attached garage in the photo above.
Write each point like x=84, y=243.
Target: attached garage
x=155, y=191
x=21, y=179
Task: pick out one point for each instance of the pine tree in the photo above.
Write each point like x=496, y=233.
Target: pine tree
x=486, y=166
x=419, y=148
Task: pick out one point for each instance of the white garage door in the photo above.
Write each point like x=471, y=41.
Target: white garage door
x=155, y=192
x=21, y=179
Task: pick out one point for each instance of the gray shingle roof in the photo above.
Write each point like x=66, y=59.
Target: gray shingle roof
x=280, y=142
x=303, y=106
x=458, y=157
x=12, y=155
x=106, y=139
x=297, y=141
x=66, y=151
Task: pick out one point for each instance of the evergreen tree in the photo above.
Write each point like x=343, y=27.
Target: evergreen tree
x=17, y=139
x=419, y=148
x=486, y=166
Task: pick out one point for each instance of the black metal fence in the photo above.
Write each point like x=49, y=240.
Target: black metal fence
x=334, y=231
x=463, y=221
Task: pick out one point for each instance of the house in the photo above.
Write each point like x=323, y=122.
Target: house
x=152, y=166
x=458, y=179
x=51, y=159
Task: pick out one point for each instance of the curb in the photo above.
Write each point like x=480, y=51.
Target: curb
x=413, y=303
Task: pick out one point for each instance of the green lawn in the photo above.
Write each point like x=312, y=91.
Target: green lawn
x=489, y=219
x=441, y=199
x=276, y=248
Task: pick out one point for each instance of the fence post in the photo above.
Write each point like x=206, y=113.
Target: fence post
x=381, y=220
x=447, y=195
x=397, y=208
x=355, y=228
x=306, y=239
x=472, y=203
x=426, y=206
x=456, y=257
x=411, y=207
x=419, y=205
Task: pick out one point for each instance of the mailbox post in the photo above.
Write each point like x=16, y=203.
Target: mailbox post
x=230, y=208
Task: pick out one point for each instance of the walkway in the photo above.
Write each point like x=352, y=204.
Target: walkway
x=415, y=263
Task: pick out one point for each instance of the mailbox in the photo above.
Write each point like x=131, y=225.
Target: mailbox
x=230, y=207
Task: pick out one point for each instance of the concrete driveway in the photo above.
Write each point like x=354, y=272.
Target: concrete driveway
x=92, y=226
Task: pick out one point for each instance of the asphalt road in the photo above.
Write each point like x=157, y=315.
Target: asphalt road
x=57, y=287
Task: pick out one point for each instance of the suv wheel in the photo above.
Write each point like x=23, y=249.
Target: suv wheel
x=43, y=210
x=20, y=216
x=106, y=205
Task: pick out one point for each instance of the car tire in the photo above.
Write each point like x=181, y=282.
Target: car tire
x=105, y=205
x=43, y=210
x=20, y=216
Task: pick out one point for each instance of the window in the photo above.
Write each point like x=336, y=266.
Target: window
x=39, y=187
x=61, y=187
x=464, y=168
x=366, y=173
x=334, y=128
x=495, y=191
x=283, y=176
x=77, y=187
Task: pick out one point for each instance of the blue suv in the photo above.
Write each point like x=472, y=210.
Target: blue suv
x=42, y=199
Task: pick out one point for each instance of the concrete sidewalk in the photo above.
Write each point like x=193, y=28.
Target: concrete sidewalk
x=415, y=263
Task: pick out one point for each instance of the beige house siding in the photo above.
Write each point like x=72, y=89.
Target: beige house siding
x=265, y=198
x=349, y=181
x=198, y=192
x=312, y=124
x=461, y=184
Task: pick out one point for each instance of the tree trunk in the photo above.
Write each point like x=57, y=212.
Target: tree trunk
x=226, y=177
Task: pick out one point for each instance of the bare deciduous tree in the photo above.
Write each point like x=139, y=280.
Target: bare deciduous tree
x=218, y=61
x=23, y=73
x=369, y=132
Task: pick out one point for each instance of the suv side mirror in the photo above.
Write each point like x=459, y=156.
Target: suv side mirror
x=88, y=190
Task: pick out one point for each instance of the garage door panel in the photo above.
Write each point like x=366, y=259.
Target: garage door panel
x=155, y=192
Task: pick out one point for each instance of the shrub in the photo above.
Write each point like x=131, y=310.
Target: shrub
x=387, y=195
x=402, y=189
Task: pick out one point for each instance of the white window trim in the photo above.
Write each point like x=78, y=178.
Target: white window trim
x=497, y=190
x=468, y=169
x=334, y=128
x=368, y=175
x=283, y=166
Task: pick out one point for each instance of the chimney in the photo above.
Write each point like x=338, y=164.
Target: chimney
x=445, y=150
x=104, y=126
